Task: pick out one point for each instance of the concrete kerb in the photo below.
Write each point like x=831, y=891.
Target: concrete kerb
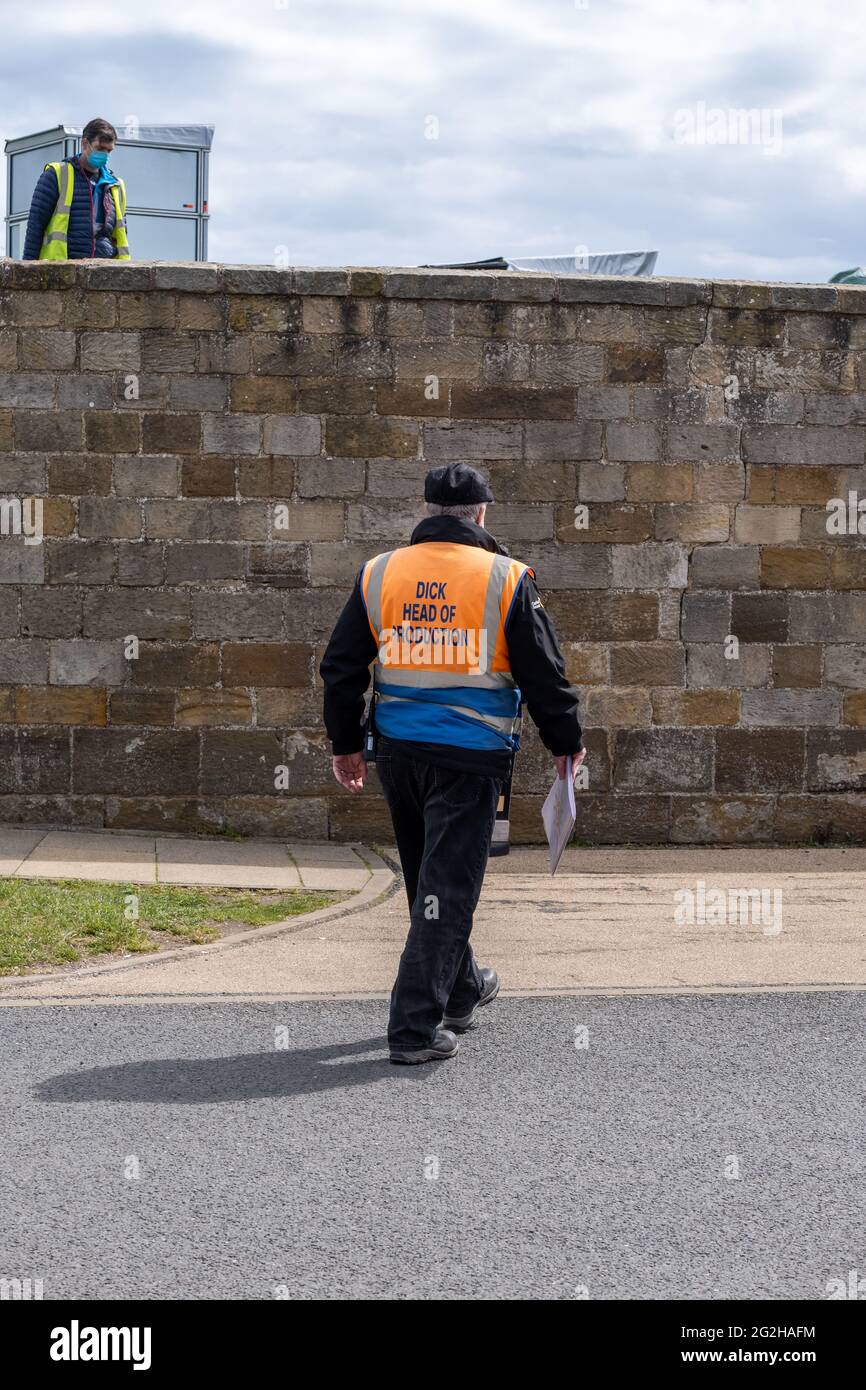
x=382, y=884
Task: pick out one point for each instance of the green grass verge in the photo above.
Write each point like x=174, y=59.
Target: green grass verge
x=59, y=922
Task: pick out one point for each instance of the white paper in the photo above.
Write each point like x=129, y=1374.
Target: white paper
x=559, y=814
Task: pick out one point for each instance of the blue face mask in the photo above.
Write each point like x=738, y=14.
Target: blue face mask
x=97, y=159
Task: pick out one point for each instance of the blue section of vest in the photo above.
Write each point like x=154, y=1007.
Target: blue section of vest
x=504, y=703
x=425, y=715
x=423, y=723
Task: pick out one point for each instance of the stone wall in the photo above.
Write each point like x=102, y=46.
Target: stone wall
x=175, y=419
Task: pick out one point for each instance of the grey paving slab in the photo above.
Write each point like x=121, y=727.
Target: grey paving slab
x=329, y=866
x=252, y=864
x=15, y=845
x=92, y=855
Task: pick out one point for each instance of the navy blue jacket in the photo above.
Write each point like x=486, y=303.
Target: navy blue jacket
x=80, y=243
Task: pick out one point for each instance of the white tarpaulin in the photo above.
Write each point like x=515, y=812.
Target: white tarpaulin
x=601, y=263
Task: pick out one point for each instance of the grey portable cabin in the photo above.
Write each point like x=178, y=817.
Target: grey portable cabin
x=165, y=168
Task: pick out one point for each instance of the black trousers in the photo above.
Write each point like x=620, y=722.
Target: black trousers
x=443, y=821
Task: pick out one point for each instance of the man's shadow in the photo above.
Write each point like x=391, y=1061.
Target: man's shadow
x=209, y=1080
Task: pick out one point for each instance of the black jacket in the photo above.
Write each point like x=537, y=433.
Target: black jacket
x=536, y=664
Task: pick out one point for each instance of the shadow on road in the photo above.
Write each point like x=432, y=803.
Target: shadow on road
x=209, y=1080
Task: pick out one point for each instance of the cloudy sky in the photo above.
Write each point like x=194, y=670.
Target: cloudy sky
x=400, y=132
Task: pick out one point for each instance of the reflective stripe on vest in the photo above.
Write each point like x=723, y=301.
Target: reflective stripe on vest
x=438, y=613
x=55, y=242
x=118, y=197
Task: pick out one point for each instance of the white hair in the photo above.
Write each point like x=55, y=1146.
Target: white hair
x=466, y=509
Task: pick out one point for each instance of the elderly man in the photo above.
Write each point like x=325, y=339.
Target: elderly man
x=459, y=639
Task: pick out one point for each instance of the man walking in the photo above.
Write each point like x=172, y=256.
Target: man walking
x=78, y=208
x=459, y=639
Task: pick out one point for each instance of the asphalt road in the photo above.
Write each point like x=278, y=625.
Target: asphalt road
x=307, y=1170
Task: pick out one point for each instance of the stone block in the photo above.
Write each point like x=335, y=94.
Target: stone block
x=48, y=431
x=198, y=393
x=202, y=279
x=204, y=562
x=232, y=434
x=766, y=524
x=663, y=759
x=697, y=442
x=171, y=434
x=790, y=568
x=616, y=709
x=292, y=434
x=360, y=437
x=571, y=364
x=177, y=520
x=692, y=523
x=268, y=477
x=725, y=567
x=220, y=615
x=143, y=613
x=648, y=664
x=804, y=444
x=650, y=566
x=631, y=443
x=710, y=820
x=796, y=667
x=23, y=661
x=695, y=708
x=169, y=666
x=69, y=705
x=846, y=666
x=759, y=617
x=142, y=707
x=602, y=482
x=790, y=708
x=555, y=440
x=600, y=403
x=835, y=760
x=140, y=562
x=207, y=477
x=131, y=762
x=604, y=617
x=110, y=352
x=213, y=708
x=706, y=617
x=78, y=562
x=265, y=394
x=708, y=665
x=81, y=663
x=262, y=663
x=467, y=440
x=607, y=522
x=626, y=363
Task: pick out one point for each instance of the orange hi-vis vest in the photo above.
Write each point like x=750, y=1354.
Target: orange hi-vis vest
x=442, y=675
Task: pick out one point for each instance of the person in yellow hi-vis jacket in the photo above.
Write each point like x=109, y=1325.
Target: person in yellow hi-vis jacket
x=78, y=208
x=458, y=640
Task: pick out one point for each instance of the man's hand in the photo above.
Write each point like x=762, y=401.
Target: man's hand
x=578, y=758
x=350, y=770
